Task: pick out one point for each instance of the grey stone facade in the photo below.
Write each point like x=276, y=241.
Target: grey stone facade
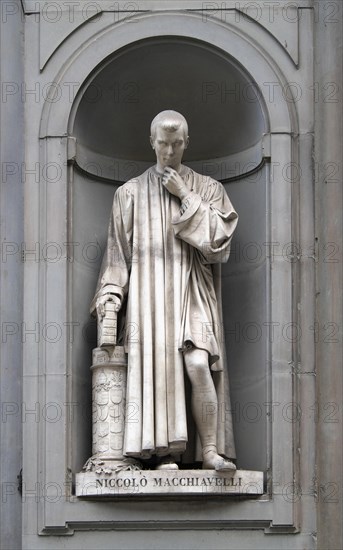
x=272, y=72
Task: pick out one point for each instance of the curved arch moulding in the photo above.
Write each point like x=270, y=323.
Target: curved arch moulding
x=243, y=44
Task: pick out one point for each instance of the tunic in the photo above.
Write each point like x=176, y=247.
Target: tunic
x=163, y=258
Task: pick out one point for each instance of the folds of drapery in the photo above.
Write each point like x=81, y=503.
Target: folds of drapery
x=163, y=258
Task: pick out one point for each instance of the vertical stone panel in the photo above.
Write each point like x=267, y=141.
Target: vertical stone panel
x=11, y=279
x=328, y=170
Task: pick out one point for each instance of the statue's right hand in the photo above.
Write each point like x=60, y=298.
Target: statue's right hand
x=100, y=304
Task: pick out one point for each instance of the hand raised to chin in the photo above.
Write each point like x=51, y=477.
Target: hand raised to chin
x=174, y=183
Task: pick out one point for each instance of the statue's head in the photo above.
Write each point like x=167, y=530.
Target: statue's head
x=171, y=121
x=169, y=138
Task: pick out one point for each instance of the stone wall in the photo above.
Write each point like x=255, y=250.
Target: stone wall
x=51, y=51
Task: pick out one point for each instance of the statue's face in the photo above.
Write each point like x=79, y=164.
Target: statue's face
x=169, y=147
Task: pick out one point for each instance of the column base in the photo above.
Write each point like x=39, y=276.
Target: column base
x=108, y=466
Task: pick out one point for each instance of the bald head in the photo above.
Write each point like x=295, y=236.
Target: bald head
x=170, y=121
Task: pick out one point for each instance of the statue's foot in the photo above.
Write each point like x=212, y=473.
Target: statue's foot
x=167, y=463
x=213, y=461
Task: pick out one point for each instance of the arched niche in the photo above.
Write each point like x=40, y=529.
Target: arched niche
x=260, y=289
x=224, y=109
x=228, y=122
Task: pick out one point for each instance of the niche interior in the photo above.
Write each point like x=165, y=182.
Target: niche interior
x=227, y=123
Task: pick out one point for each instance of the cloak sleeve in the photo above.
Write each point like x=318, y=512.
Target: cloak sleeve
x=116, y=263
x=207, y=223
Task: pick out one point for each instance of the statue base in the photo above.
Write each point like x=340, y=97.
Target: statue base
x=109, y=474
x=91, y=484
x=109, y=466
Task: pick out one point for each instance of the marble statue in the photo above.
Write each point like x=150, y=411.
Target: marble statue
x=170, y=229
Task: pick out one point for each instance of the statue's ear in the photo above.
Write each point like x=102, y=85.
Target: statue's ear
x=152, y=142
x=187, y=142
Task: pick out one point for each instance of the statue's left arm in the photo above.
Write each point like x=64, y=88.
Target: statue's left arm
x=207, y=222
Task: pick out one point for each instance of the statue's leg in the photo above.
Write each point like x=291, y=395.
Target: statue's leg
x=205, y=408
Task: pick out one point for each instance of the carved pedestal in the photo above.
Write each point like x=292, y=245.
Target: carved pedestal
x=108, y=474
x=109, y=390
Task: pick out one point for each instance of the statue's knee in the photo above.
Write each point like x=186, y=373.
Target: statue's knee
x=197, y=366
x=198, y=372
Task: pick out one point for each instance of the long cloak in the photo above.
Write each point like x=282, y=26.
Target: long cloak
x=163, y=258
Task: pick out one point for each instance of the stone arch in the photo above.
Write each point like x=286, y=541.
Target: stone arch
x=268, y=76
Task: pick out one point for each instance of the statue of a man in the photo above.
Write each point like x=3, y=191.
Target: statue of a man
x=169, y=230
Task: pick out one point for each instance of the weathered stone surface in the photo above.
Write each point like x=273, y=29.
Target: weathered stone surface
x=300, y=450
x=162, y=482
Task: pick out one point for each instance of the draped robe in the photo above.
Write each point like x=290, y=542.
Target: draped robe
x=163, y=257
